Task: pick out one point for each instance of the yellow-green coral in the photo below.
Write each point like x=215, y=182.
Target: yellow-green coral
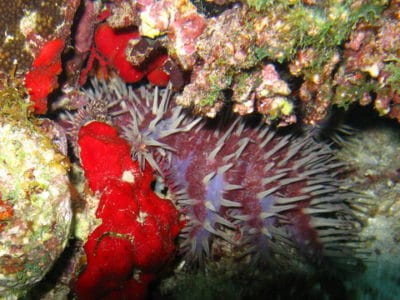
x=14, y=107
x=393, y=69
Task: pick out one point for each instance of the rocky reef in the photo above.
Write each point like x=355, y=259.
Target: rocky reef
x=35, y=203
x=241, y=55
x=372, y=155
x=155, y=147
